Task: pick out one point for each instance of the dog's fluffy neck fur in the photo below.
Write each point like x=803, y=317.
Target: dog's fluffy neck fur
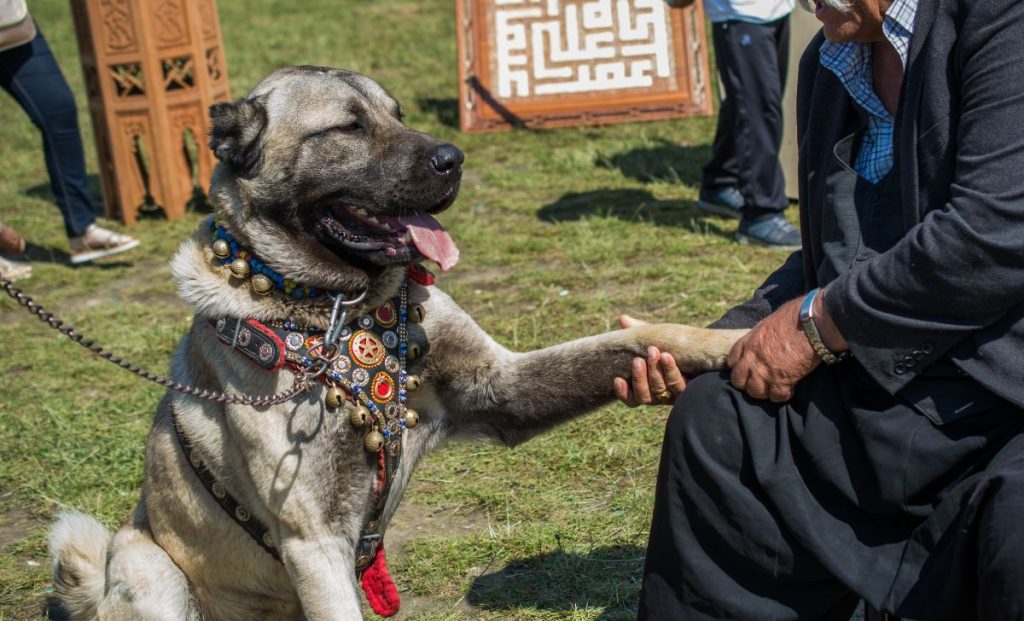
x=213, y=292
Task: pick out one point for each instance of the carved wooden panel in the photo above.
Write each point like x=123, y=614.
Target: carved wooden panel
x=152, y=68
x=535, y=63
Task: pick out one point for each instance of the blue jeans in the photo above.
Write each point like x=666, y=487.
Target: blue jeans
x=30, y=74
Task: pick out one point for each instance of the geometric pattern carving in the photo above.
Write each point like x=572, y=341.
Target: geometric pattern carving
x=178, y=73
x=128, y=80
x=572, y=62
x=152, y=69
x=171, y=20
x=213, y=67
x=118, y=25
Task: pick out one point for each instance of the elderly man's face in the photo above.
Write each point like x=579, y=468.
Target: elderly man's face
x=861, y=21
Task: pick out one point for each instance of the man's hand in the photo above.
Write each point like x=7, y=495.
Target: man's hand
x=769, y=360
x=655, y=380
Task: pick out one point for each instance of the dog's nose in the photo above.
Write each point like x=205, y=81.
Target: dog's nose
x=445, y=158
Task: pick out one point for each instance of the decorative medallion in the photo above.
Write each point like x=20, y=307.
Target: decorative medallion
x=383, y=389
x=342, y=365
x=390, y=339
x=242, y=514
x=366, y=322
x=244, y=336
x=391, y=364
x=360, y=377
x=266, y=351
x=386, y=316
x=294, y=341
x=345, y=333
x=366, y=349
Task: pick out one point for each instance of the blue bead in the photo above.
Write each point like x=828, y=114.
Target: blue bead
x=401, y=394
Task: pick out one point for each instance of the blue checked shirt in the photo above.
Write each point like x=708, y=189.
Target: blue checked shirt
x=851, y=62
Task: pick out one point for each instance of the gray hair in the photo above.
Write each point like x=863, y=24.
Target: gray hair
x=840, y=5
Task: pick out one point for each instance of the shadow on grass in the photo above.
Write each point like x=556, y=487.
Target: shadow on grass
x=632, y=205
x=42, y=254
x=446, y=110
x=665, y=162
x=607, y=577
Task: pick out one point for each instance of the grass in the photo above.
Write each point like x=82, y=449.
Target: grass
x=560, y=231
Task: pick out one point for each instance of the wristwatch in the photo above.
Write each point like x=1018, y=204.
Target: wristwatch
x=811, y=330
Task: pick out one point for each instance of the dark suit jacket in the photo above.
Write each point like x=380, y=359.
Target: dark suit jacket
x=953, y=286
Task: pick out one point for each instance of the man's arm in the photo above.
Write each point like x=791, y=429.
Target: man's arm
x=962, y=268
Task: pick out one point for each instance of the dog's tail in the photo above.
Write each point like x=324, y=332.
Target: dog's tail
x=78, y=547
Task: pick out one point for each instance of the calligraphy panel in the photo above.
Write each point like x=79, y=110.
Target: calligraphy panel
x=535, y=63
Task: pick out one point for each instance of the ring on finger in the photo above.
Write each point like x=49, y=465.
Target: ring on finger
x=664, y=396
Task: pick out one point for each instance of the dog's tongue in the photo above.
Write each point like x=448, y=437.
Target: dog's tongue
x=431, y=239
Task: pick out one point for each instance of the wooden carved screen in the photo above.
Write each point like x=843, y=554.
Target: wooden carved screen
x=152, y=69
x=542, y=63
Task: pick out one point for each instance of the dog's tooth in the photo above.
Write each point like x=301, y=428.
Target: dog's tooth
x=373, y=219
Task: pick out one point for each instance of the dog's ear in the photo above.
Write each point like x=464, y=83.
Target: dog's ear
x=235, y=134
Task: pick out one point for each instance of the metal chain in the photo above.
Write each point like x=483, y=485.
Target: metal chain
x=302, y=383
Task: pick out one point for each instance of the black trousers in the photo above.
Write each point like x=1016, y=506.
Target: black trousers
x=31, y=75
x=796, y=511
x=752, y=61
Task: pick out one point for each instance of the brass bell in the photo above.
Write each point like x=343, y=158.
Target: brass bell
x=373, y=441
x=411, y=418
x=359, y=416
x=416, y=313
x=335, y=397
x=221, y=249
x=261, y=284
x=412, y=382
x=414, y=351
x=240, y=267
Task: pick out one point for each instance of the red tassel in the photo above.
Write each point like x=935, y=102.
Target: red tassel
x=380, y=589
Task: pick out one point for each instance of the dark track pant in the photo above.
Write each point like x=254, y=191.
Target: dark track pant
x=752, y=61
x=30, y=74
x=796, y=511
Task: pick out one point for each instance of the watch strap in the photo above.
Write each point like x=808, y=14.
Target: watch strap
x=811, y=330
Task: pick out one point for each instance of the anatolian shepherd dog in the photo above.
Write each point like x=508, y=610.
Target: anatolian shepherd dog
x=275, y=512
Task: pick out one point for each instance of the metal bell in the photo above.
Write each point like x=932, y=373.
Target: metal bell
x=373, y=441
x=412, y=382
x=414, y=351
x=221, y=249
x=335, y=397
x=411, y=418
x=359, y=416
x=261, y=284
x=416, y=313
x=240, y=267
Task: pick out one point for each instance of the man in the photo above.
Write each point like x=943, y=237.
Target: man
x=744, y=177
x=868, y=441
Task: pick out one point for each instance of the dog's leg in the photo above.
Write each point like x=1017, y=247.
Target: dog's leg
x=485, y=388
x=322, y=568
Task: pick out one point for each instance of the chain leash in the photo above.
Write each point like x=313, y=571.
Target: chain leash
x=303, y=381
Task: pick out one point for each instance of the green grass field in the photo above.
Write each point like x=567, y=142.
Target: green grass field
x=560, y=231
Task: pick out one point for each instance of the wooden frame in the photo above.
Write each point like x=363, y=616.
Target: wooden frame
x=503, y=83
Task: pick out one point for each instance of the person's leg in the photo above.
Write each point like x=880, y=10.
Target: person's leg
x=31, y=75
x=717, y=549
x=722, y=171
x=1001, y=542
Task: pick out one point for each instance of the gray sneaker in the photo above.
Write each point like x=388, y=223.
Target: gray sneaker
x=770, y=231
x=726, y=202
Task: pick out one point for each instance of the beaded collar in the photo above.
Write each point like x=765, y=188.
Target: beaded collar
x=245, y=264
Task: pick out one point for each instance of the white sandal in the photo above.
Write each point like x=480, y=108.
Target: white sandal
x=15, y=270
x=99, y=242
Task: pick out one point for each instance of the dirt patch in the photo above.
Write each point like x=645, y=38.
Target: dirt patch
x=413, y=521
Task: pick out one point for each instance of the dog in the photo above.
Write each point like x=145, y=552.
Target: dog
x=324, y=203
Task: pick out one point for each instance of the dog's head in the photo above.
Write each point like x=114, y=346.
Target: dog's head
x=321, y=178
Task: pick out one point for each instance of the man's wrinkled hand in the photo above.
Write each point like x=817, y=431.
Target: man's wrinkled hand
x=768, y=361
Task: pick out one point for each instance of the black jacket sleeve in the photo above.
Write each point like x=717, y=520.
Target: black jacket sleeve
x=962, y=267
